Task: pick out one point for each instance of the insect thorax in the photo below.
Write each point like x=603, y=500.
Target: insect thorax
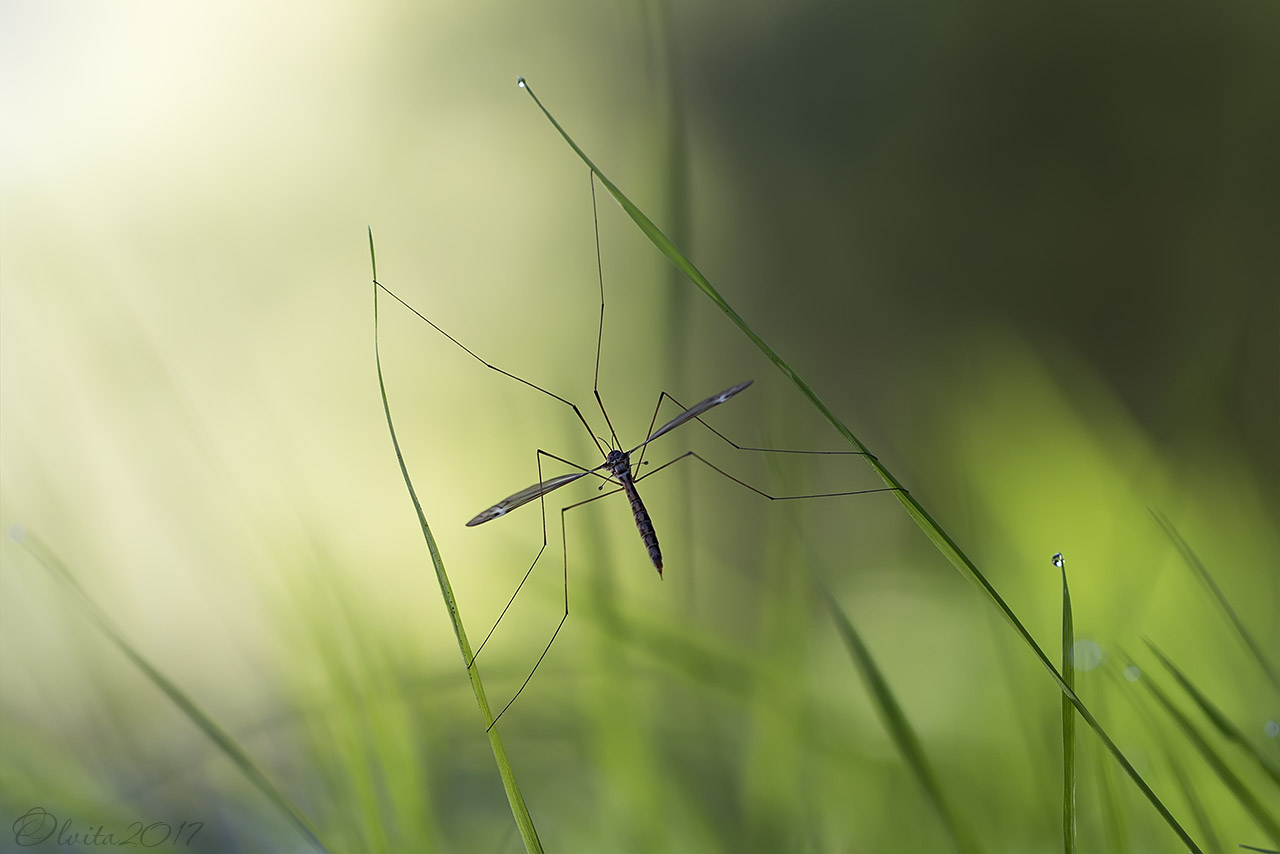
x=619, y=463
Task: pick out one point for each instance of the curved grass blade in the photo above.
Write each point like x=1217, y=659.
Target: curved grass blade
x=895, y=720
x=1246, y=798
x=1192, y=796
x=1068, y=716
x=940, y=538
x=1110, y=803
x=1229, y=731
x=239, y=757
x=514, y=797
x=1202, y=572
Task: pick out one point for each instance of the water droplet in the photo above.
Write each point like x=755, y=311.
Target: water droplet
x=17, y=533
x=1271, y=728
x=1132, y=673
x=1059, y=560
x=520, y=83
x=1086, y=654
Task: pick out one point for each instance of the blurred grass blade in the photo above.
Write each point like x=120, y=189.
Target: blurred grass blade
x=674, y=168
x=1247, y=799
x=1192, y=796
x=220, y=737
x=1110, y=803
x=1068, y=717
x=940, y=538
x=1228, y=730
x=895, y=720
x=1197, y=566
x=514, y=797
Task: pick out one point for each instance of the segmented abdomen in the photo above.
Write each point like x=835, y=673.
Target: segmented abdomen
x=643, y=523
x=620, y=466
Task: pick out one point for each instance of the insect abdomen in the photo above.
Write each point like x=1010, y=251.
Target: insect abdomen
x=620, y=465
x=644, y=524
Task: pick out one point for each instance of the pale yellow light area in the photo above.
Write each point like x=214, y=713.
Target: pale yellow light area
x=190, y=409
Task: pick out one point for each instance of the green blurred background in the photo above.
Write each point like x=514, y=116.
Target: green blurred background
x=1027, y=252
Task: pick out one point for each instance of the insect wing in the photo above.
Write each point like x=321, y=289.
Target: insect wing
x=693, y=412
x=524, y=496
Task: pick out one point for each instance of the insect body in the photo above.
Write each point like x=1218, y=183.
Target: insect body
x=617, y=467
x=619, y=462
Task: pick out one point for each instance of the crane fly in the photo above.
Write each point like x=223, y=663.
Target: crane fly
x=617, y=463
x=617, y=467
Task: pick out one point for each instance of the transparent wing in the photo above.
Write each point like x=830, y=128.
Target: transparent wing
x=524, y=496
x=693, y=412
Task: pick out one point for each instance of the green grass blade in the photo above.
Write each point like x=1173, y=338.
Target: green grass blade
x=1193, y=799
x=1234, y=784
x=514, y=797
x=1197, y=566
x=220, y=737
x=1068, y=718
x=1110, y=803
x=1229, y=731
x=895, y=721
x=940, y=538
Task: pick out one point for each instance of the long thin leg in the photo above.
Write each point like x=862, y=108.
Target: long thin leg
x=761, y=492
x=564, y=539
x=595, y=388
x=473, y=355
x=564, y=543
x=542, y=502
x=664, y=396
